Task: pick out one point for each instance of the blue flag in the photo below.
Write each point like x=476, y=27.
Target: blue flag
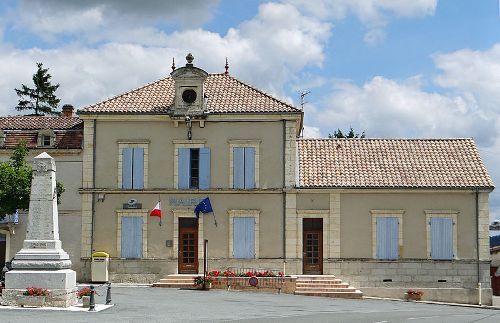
x=204, y=207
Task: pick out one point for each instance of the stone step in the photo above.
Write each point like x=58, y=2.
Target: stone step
x=316, y=277
x=349, y=294
x=317, y=281
x=313, y=286
x=174, y=285
x=317, y=290
x=170, y=280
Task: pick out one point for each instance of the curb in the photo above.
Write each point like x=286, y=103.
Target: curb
x=434, y=303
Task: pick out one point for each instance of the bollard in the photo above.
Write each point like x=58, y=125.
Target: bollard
x=92, y=299
x=108, y=294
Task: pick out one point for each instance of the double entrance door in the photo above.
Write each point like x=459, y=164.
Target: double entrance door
x=188, y=246
x=312, y=239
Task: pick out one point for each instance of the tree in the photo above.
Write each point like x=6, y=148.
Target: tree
x=42, y=98
x=351, y=134
x=15, y=182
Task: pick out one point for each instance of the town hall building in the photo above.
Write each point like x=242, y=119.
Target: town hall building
x=383, y=214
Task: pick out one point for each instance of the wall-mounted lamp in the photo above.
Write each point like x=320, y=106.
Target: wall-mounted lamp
x=101, y=197
x=188, y=123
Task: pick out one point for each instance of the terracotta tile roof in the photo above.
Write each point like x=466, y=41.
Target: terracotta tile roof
x=391, y=163
x=39, y=122
x=68, y=131
x=225, y=94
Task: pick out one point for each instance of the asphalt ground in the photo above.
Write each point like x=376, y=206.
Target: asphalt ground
x=139, y=304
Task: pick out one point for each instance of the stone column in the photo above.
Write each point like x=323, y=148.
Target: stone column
x=42, y=262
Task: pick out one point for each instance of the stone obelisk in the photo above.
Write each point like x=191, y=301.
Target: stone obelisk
x=42, y=262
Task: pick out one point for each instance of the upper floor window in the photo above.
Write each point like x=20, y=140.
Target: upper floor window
x=46, y=138
x=244, y=164
x=194, y=168
x=133, y=165
x=133, y=168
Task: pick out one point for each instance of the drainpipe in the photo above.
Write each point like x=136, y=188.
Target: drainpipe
x=93, y=187
x=477, y=248
x=284, y=197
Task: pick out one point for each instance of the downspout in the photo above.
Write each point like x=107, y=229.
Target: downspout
x=477, y=248
x=93, y=188
x=284, y=197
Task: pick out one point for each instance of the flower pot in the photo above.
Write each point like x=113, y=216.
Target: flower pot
x=413, y=297
x=86, y=301
x=30, y=301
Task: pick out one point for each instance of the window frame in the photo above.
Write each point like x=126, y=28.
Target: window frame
x=243, y=214
x=240, y=143
x=122, y=144
x=42, y=134
x=450, y=214
x=387, y=214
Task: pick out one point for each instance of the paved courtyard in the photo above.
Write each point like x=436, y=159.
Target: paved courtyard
x=170, y=305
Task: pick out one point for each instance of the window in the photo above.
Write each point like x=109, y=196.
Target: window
x=194, y=168
x=133, y=168
x=131, y=237
x=244, y=234
x=244, y=163
x=441, y=234
x=46, y=141
x=46, y=138
x=387, y=235
x=244, y=167
x=387, y=238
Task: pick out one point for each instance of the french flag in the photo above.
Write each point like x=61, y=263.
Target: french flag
x=157, y=210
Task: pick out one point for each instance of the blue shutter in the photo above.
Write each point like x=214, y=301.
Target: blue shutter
x=249, y=167
x=132, y=236
x=244, y=238
x=184, y=168
x=204, y=168
x=387, y=238
x=442, y=238
x=238, y=167
x=127, y=168
x=138, y=169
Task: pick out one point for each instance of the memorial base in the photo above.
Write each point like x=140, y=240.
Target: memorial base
x=61, y=285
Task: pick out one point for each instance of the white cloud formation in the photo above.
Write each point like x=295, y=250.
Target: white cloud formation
x=48, y=18
x=374, y=14
x=264, y=45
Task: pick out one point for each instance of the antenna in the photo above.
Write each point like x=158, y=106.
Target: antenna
x=302, y=99
x=302, y=104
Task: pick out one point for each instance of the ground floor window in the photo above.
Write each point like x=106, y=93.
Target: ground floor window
x=132, y=233
x=387, y=235
x=244, y=234
x=441, y=234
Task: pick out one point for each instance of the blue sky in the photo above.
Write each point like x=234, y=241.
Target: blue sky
x=392, y=68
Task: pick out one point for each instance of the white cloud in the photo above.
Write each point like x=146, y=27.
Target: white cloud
x=374, y=14
x=312, y=132
x=48, y=18
x=387, y=108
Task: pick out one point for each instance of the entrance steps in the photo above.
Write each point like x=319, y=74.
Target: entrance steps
x=176, y=281
x=326, y=286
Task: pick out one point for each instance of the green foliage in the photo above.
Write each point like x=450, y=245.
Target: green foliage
x=351, y=134
x=15, y=182
x=42, y=98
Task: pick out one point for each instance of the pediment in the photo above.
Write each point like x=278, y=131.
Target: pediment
x=189, y=72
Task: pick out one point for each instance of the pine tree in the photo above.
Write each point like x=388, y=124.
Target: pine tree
x=41, y=99
x=351, y=134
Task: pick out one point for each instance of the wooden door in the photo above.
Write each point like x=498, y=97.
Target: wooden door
x=188, y=246
x=312, y=239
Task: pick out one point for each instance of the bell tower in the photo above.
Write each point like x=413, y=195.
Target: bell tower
x=189, y=96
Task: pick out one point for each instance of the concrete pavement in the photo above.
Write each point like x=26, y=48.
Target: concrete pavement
x=170, y=305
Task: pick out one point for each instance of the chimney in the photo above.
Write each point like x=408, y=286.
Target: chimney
x=67, y=110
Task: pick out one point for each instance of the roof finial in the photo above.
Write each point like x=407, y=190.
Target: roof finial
x=227, y=68
x=189, y=59
x=173, y=64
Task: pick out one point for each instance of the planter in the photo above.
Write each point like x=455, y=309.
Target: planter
x=413, y=297
x=30, y=301
x=86, y=301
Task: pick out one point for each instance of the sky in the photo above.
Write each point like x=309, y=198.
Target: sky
x=391, y=68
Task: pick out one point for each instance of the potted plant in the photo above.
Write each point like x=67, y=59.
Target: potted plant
x=84, y=295
x=414, y=295
x=32, y=296
x=203, y=283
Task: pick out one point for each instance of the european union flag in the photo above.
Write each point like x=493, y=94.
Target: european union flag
x=204, y=207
